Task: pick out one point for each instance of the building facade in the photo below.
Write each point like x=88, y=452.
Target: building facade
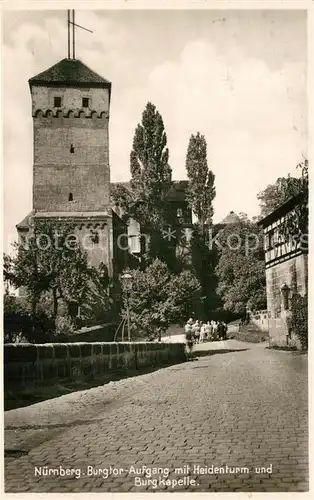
x=179, y=211
x=71, y=172
x=286, y=261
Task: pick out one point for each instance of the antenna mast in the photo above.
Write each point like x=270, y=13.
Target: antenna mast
x=72, y=22
x=69, y=36
x=73, y=28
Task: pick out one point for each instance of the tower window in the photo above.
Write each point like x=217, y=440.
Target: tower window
x=57, y=102
x=71, y=148
x=85, y=102
x=70, y=197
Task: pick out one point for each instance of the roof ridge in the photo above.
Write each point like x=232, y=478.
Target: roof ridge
x=69, y=71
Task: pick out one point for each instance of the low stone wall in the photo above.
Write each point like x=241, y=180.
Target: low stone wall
x=34, y=364
x=260, y=319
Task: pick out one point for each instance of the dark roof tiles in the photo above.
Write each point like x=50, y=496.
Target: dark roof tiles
x=231, y=218
x=69, y=72
x=177, y=191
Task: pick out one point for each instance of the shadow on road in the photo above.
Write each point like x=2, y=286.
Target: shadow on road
x=19, y=398
x=211, y=352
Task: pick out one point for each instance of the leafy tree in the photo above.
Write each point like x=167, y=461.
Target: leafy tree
x=299, y=318
x=158, y=298
x=150, y=170
x=51, y=261
x=200, y=195
x=122, y=198
x=284, y=188
x=241, y=267
x=296, y=221
x=21, y=326
x=204, y=260
x=201, y=191
x=146, y=200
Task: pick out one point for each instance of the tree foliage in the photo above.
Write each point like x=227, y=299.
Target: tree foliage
x=299, y=318
x=158, y=298
x=297, y=220
x=241, y=267
x=201, y=191
x=295, y=225
x=51, y=261
x=274, y=195
x=21, y=326
x=200, y=195
x=146, y=199
x=150, y=172
x=204, y=259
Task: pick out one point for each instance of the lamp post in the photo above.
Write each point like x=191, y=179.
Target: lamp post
x=127, y=281
x=285, y=290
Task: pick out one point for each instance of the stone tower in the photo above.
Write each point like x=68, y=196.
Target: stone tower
x=71, y=173
x=70, y=108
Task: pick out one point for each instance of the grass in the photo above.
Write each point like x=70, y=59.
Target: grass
x=253, y=336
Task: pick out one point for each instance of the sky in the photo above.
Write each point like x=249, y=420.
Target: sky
x=237, y=77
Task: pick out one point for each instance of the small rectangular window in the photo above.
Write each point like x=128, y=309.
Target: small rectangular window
x=57, y=102
x=85, y=102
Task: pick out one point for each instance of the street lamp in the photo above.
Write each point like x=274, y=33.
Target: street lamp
x=285, y=290
x=127, y=281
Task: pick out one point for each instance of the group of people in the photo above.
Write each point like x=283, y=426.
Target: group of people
x=199, y=331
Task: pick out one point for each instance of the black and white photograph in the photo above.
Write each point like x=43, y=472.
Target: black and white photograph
x=155, y=248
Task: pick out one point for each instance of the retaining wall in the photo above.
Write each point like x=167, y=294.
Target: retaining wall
x=34, y=364
x=260, y=319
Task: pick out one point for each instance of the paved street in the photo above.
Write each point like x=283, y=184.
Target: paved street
x=243, y=406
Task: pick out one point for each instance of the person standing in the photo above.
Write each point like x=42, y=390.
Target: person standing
x=208, y=331
x=220, y=330
x=203, y=334
x=189, y=338
x=214, y=330
x=225, y=330
x=196, y=331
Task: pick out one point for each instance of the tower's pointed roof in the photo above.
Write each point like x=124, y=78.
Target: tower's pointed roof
x=69, y=72
x=231, y=218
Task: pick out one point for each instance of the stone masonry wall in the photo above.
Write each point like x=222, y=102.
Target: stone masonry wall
x=43, y=98
x=293, y=272
x=71, y=155
x=260, y=319
x=71, y=149
x=28, y=365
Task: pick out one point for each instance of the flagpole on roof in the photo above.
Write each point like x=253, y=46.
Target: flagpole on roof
x=72, y=22
x=69, y=36
x=73, y=34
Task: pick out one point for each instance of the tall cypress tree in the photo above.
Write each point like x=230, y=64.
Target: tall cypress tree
x=201, y=191
x=200, y=194
x=150, y=170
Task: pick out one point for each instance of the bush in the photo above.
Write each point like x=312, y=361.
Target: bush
x=15, y=320
x=299, y=318
x=158, y=298
x=20, y=326
x=64, y=326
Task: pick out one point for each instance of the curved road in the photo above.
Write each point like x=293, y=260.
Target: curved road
x=242, y=406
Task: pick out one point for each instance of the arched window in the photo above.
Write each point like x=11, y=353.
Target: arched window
x=70, y=197
x=72, y=149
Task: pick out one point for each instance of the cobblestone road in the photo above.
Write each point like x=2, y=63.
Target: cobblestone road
x=244, y=408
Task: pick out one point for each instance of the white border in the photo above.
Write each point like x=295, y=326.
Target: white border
x=194, y=5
